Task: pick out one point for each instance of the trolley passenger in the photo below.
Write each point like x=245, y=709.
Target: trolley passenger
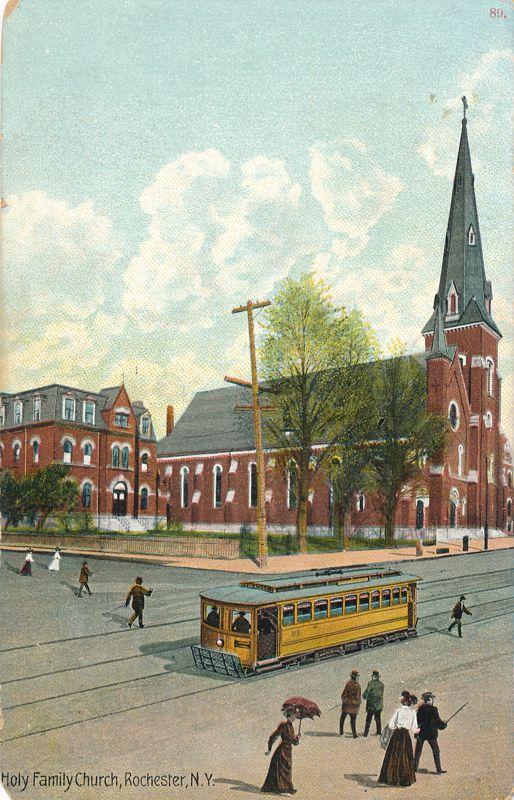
x=213, y=617
x=241, y=624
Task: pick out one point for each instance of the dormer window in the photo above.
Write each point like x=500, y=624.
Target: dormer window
x=145, y=426
x=2, y=415
x=68, y=408
x=472, y=240
x=18, y=412
x=453, y=301
x=89, y=412
x=36, y=416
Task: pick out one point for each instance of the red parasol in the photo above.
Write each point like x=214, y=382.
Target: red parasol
x=303, y=707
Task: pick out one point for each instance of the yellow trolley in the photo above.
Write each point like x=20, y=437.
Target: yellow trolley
x=261, y=625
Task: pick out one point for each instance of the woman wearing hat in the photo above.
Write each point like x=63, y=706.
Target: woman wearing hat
x=350, y=703
x=55, y=562
x=398, y=765
x=27, y=565
x=279, y=779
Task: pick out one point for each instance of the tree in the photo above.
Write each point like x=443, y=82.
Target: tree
x=406, y=435
x=11, y=506
x=308, y=351
x=49, y=491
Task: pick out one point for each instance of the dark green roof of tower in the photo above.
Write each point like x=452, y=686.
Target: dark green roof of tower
x=463, y=261
x=440, y=347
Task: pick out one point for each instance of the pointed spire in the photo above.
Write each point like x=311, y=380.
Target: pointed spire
x=462, y=270
x=439, y=347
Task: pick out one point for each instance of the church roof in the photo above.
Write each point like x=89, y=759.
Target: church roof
x=463, y=261
x=440, y=347
x=212, y=424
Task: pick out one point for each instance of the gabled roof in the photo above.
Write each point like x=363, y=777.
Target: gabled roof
x=110, y=393
x=463, y=263
x=211, y=423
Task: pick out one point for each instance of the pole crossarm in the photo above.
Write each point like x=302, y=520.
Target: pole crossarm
x=250, y=305
x=242, y=407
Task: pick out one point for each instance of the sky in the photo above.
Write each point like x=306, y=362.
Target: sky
x=165, y=160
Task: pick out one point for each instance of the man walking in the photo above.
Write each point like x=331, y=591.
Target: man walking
x=429, y=723
x=85, y=572
x=137, y=593
x=458, y=610
x=350, y=703
x=374, y=697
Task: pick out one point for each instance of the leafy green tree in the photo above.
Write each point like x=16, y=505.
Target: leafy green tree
x=49, y=491
x=406, y=435
x=308, y=351
x=11, y=499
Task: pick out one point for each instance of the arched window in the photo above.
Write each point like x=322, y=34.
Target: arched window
x=216, y=486
x=184, y=487
x=88, y=452
x=115, y=456
x=490, y=376
x=461, y=460
x=125, y=458
x=361, y=502
x=453, y=415
x=252, y=485
x=86, y=495
x=67, y=454
x=16, y=452
x=453, y=303
x=509, y=508
x=509, y=479
x=144, y=499
x=292, y=481
x=35, y=451
x=472, y=239
x=144, y=462
x=420, y=514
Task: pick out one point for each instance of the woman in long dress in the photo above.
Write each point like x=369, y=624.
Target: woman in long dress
x=398, y=765
x=27, y=565
x=279, y=779
x=55, y=562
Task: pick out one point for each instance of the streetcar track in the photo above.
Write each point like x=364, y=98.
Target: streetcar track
x=196, y=692
x=475, y=591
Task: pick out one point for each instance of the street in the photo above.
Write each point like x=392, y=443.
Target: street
x=83, y=695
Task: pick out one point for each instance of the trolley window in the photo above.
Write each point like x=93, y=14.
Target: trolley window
x=288, y=615
x=396, y=596
x=405, y=594
x=211, y=616
x=336, y=606
x=364, y=601
x=321, y=609
x=375, y=599
x=241, y=622
x=350, y=603
x=386, y=597
x=304, y=612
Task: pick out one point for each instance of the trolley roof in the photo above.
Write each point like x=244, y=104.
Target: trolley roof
x=274, y=590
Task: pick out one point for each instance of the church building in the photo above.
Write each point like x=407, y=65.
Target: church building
x=207, y=460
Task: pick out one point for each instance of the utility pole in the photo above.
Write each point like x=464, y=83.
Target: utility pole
x=257, y=429
x=486, y=518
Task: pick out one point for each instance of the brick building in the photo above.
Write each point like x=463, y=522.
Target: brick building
x=108, y=441
x=208, y=460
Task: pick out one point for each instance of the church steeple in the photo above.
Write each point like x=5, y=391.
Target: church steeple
x=440, y=347
x=464, y=294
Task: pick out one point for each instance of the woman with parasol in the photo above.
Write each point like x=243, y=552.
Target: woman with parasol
x=279, y=779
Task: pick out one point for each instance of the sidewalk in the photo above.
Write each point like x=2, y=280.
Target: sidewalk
x=297, y=563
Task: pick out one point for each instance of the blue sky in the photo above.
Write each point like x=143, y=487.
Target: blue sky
x=166, y=160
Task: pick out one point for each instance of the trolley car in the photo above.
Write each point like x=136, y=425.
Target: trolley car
x=260, y=625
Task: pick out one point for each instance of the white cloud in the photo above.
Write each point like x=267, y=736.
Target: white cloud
x=354, y=191
x=215, y=233
x=51, y=248
x=489, y=115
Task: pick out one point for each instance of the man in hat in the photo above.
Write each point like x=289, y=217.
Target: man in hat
x=137, y=592
x=374, y=697
x=213, y=617
x=458, y=610
x=429, y=724
x=350, y=703
x=241, y=624
x=85, y=572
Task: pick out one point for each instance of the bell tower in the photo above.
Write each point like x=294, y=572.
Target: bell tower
x=463, y=333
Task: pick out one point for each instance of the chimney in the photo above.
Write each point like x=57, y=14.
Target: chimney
x=170, y=420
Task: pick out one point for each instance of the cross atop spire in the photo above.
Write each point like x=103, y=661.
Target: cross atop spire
x=464, y=294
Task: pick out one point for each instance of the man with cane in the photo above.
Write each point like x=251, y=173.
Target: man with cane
x=430, y=723
x=137, y=592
